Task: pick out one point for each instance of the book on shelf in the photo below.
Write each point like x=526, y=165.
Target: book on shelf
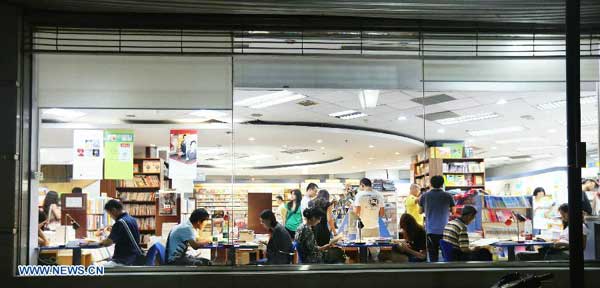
x=140, y=209
x=151, y=166
x=499, y=202
x=146, y=224
x=140, y=181
x=137, y=196
x=463, y=167
x=96, y=205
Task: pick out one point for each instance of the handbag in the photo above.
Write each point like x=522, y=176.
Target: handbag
x=140, y=259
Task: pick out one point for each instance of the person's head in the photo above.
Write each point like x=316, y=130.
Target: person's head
x=267, y=219
x=415, y=189
x=51, y=198
x=563, y=210
x=295, y=199
x=323, y=194
x=76, y=190
x=409, y=226
x=468, y=214
x=365, y=184
x=114, y=208
x=313, y=216
x=312, y=189
x=199, y=217
x=279, y=199
x=589, y=185
x=539, y=192
x=437, y=181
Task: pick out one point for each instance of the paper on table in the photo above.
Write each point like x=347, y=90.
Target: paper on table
x=484, y=242
x=73, y=202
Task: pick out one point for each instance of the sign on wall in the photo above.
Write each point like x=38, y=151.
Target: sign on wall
x=118, y=146
x=88, y=152
x=182, y=154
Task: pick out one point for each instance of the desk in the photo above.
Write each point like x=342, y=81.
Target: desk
x=231, y=251
x=76, y=254
x=363, y=248
x=510, y=246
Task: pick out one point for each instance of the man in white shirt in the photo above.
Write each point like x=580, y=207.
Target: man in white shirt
x=369, y=206
x=311, y=194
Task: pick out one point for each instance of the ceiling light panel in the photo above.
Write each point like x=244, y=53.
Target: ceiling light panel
x=63, y=113
x=561, y=103
x=368, y=98
x=270, y=99
x=520, y=140
x=348, y=114
x=468, y=118
x=495, y=131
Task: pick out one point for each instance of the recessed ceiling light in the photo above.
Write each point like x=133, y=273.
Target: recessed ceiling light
x=441, y=131
x=501, y=102
x=371, y=158
x=319, y=141
x=401, y=118
x=494, y=148
x=322, y=148
x=63, y=113
x=371, y=146
x=495, y=131
x=397, y=153
x=270, y=99
x=561, y=103
x=251, y=139
x=368, y=163
x=368, y=98
x=348, y=114
x=467, y=118
x=520, y=140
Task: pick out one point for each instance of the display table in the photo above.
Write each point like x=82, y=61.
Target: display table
x=63, y=253
x=510, y=246
x=363, y=248
x=233, y=254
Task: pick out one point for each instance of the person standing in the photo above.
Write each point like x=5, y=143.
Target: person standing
x=294, y=212
x=279, y=246
x=588, y=185
x=281, y=209
x=311, y=193
x=368, y=207
x=437, y=205
x=326, y=226
x=412, y=203
x=541, y=210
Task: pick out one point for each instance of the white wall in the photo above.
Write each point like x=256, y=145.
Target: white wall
x=117, y=81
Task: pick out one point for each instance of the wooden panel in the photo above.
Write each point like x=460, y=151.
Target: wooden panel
x=166, y=219
x=257, y=202
x=110, y=187
x=78, y=214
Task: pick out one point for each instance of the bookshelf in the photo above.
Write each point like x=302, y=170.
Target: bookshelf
x=497, y=209
x=459, y=173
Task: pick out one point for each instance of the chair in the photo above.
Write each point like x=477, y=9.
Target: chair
x=447, y=251
x=157, y=250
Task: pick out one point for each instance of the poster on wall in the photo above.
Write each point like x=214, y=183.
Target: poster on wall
x=88, y=152
x=118, y=154
x=182, y=154
x=167, y=204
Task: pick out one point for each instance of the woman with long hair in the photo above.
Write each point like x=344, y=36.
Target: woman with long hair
x=414, y=236
x=308, y=249
x=326, y=226
x=279, y=246
x=294, y=214
x=51, y=207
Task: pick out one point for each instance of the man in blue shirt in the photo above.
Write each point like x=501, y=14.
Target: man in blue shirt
x=126, y=251
x=437, y=205
x=184, y=235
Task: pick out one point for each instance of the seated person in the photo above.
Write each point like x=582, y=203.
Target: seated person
x=279, y=246
x=456, y=234
x=42, y=239
x=413, y=245
x=560, y=249
x=125, y=227
x=184, y=235
x=308, y=249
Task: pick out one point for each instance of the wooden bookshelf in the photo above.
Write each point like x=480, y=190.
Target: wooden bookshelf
x=459, y=173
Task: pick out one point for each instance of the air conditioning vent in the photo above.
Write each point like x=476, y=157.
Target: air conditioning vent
x=435, y=99
x=307, y=103
x=297, y=150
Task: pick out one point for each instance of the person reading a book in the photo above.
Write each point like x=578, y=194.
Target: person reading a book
x=412, y=245
x=279, y=246
x=437, y=205
x=183, y=236
x=124, y=234
x=308, y=249
x=455, y=233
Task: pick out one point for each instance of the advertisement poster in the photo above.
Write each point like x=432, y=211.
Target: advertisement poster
x=118, y=154
x=88, y=152
x=182, y=154
x=167, y=204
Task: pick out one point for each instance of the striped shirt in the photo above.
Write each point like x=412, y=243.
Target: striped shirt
x=456, y=234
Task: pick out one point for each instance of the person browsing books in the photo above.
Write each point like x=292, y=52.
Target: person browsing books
x=412, y=203
x=457, y=235
x=412, y=246
x=294, y=214
x=311, y=193
x=368, y=207
x=124, y=234
x=437, y=205
x=183, y=236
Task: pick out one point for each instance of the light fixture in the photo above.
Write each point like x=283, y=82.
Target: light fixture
x=401, y=118
x=519, y=140
x=208, y=113
x=468, y=118
x=319, y=141
x=441, y=131
x=270, y=99
x=371, y=146
x=495, y=131
x=368, y=98
x=501, y=102
x=561, y=103
x=494, y=148
x=371, y=158
x=348, y=114
x=322, y=148
x=63, y=113
x=251, y=139
x=397, y=153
